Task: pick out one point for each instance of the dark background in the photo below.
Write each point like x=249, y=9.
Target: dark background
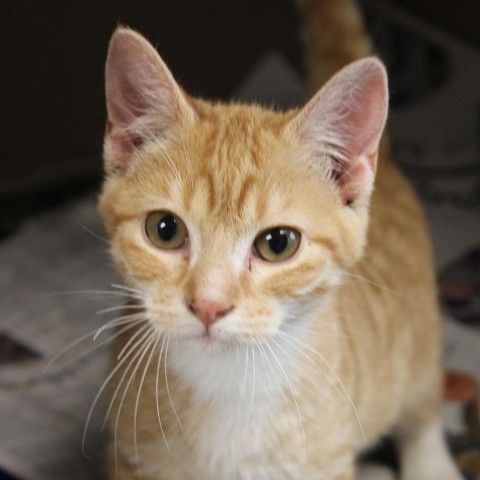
x=53, y=54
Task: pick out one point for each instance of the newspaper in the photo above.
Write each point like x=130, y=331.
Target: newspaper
x=44, y=407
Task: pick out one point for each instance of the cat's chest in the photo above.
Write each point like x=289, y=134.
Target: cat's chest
x=232, y=405
x=226, y=439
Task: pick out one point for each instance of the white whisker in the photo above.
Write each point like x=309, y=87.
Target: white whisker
x=347, y=396
x=295, y=362
x=244, y=384
x=100, y=345
x=252, y=397
x=124, y=374
x=140, y=355
x=168, y=389
x=280, y=389
x=375, y=284
x=313, y=331
x=171, y=163
x=188, y=163
x=124, y=319
x=102, y=388
x=156, y=393
x=132, y=339
x=115, y=308
x=129, y=289
x=94, y=292
x=294, y=398
x=264, y=362
x=64, y=350
x=91, y=232
x=153, y=342
x=91, y=335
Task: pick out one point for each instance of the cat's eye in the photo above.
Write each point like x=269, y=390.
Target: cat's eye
x=165, y=230
x=277, y=244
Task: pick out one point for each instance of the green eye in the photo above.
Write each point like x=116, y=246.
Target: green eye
x=166, y=230
x=277, y=244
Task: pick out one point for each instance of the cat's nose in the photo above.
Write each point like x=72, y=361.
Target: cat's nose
x=209, y=312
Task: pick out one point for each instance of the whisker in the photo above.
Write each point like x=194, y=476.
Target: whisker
x=64, y=350
x=313, y=331
x=93, y=292
x=124, y=374
x=90, y=335
x=294, y=398
x=115, y=308
x=156, y=393
x=130, y=318
x=102, y=388
x=143, y=351
x=376, y=284
x=268, y=372
x=171, y=164
x=153, y=342
x=244, y=384
x=188, y=157
x=132, y=339
x=347, y=396
x=100, y=345
x=128, y=289
x=166, y=384
x=253, y=385
x=264, y=362
x=91, y=232
x=307, y=377
x=280, y=389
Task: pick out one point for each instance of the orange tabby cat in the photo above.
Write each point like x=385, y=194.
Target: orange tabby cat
x=279, y=324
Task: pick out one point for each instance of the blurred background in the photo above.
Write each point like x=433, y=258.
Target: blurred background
x=53, y=60
x=52, y=104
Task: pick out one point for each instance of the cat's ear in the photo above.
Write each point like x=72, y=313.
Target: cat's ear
x=143, y=99
x=342, y=125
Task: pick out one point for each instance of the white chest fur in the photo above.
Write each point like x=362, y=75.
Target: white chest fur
x=239, y=390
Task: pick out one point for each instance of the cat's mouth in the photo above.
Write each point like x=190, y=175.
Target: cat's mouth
x=212, y=341
x=215, y=337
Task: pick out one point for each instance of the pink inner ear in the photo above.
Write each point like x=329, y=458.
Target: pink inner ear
x=143, y=99
x=125, y=103
x=345, y=121
x=354, y=179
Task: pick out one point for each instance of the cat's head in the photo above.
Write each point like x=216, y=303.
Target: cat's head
x=234, y=219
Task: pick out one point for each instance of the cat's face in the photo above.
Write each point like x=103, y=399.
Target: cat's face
x=231, y=220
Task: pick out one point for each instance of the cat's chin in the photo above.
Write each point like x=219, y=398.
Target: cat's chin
x=206, y=343
x=216, y=344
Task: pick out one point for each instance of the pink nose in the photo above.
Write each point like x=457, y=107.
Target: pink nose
x=209, y=312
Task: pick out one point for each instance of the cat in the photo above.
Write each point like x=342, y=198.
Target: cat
x=283, y=312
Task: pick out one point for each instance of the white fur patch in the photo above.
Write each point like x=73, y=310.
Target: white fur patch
x=425, y=456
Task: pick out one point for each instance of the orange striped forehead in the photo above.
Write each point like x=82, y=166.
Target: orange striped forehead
x=229, y=176
x=233, y=165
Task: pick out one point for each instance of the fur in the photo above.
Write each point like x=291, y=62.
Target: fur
x=318, y=355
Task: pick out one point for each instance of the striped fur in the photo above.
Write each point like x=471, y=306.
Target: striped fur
x=323, y=353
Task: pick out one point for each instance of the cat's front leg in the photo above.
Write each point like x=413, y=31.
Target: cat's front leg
x=424, y=455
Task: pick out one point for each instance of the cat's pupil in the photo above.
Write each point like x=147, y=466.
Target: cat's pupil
x=277, y=240
x=167, y=228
